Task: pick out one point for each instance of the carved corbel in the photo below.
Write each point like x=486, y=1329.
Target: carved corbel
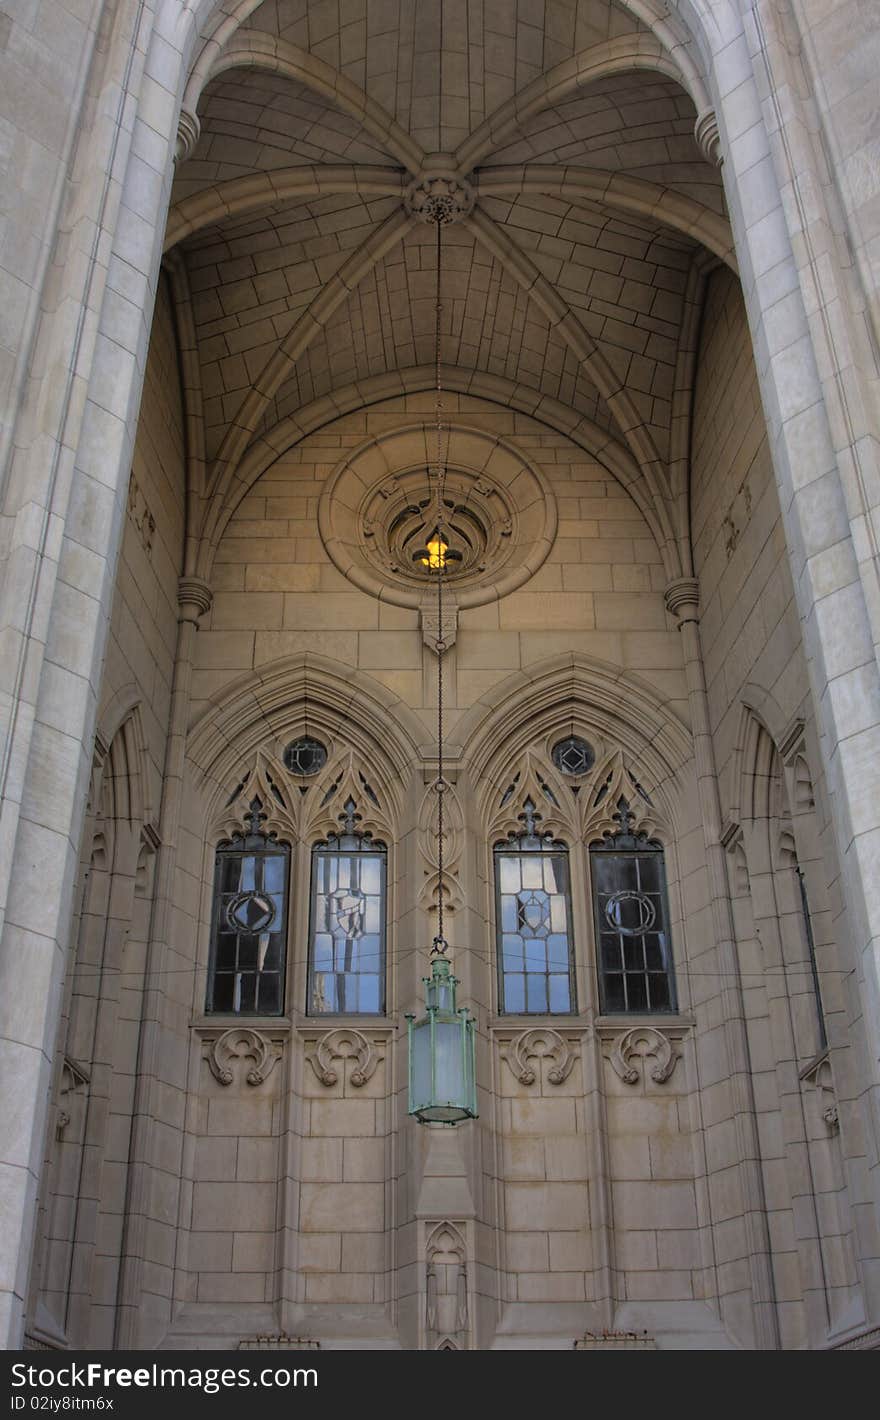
x=536, y=1045
x=819, y=1077
x=639, y=1044
x=343, y=1044
x=242, y=1043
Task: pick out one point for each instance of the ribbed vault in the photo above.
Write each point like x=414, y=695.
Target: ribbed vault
x=573, y=279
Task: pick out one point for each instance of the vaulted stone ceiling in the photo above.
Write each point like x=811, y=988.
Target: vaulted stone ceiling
x=573, y=281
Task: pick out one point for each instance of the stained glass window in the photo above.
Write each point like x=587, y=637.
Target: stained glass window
x=347, y=946
x=305, y=756
x=632, y=921
x=248, y=934
x=573, y=755
x=533, y=915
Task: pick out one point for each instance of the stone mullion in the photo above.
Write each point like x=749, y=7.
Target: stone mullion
x=682, y=599
x=606, y=1274
x=194, y=598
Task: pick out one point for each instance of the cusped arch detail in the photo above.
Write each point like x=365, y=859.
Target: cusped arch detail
x=534, y=704
x=304, y=693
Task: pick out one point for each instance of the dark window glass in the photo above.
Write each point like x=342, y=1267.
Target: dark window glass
x=248, y=934
x=533, y=916
x=632, y=922
x=573, y=755
x=347, y=938
x=305, y=756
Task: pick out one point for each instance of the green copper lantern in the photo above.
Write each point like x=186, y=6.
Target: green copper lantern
x=442, y=1083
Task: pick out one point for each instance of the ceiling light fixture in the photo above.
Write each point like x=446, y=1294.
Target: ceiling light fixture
x=442, y=1073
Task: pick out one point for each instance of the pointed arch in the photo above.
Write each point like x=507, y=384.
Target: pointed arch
x=254, y=49
x=497, y=389
x=612, y=705
x=299, y=694
x=620, y=55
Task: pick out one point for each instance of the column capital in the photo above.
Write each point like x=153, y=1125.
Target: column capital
x=194, y=598
x=708, y=138
x=188, y=130
x=682, y=598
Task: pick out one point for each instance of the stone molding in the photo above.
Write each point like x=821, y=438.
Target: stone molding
x=682, y=599
x=279, y=1342
x=615, y=1341
x=188, y=132
x=194, y=598
x=708, y=138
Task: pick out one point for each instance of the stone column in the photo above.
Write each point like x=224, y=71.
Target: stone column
x=683, y=600
x=194, y=598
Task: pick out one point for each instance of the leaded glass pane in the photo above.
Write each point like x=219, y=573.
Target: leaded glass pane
x=534, y=928
x=305, y=756
x=347, y=951
x=632, y=924
x=249, y=931
x=573, y=755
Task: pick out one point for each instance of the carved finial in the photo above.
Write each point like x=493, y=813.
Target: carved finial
x=349, y=818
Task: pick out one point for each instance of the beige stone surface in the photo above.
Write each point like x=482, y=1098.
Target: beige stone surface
x=658, y=360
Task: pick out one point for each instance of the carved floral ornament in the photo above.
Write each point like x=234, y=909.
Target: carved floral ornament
x=229, y=1053
x=539, y=1044
x=632, y=1050
x=344, y=1044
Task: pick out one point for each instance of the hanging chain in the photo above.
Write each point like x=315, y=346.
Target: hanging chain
x=439, y=945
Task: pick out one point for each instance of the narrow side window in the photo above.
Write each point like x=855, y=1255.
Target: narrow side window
x=631, y=913
x=249, y=924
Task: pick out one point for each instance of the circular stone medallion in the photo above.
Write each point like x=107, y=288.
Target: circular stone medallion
x=380, y=507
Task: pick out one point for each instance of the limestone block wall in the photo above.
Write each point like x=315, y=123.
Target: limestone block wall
x=98, y=1044
x=777, y=829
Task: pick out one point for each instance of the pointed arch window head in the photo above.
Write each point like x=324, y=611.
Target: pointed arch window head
x=249, y=922
x=631, y=911
x=533, y=922
x=347, y=936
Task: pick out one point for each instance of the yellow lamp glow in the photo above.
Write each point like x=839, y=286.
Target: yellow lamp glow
x=434, y=555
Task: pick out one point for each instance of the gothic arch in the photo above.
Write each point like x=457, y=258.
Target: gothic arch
x=615, y=704
x=296, y=695
x=264, y=450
